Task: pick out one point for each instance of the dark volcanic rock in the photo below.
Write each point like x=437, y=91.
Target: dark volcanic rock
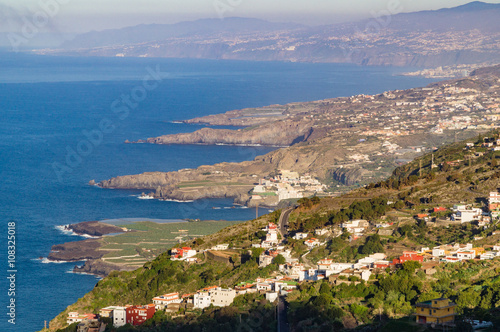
x=100, y=268
x=94, y=228
x=76, y=251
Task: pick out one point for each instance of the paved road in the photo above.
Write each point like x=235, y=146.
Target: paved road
x=282, y=318
x=283, y=222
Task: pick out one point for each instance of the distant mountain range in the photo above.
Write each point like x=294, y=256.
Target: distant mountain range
x=157, y=32
x=465, y=34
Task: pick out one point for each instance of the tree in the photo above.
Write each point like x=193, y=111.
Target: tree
x=279, y=260
x=468, y=299
x=256, y=252
x=411, y=266
x=372, y=245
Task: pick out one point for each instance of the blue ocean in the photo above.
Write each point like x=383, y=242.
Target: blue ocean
x=48, y=106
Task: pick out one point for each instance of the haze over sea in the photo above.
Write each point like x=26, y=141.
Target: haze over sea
x=46, y=103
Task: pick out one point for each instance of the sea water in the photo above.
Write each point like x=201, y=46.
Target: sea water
x=48, y=107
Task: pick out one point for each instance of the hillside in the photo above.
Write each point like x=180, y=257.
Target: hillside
x=337, y=301
x=461, y=35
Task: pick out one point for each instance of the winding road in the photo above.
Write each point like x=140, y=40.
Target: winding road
x=283, y=221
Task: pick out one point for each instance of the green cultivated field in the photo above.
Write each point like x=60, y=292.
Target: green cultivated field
x=148, y=239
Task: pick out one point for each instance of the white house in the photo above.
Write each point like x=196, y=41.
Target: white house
x=356, y=227
x=271, y=297
x=466, y=254
x=300, y=236
x=201, y=300
x=119, y=316
x=162, y=301
x=466, y=213
x=311, y=243
x=437, y=252
x=182, y=253
x=221, y=297
x=488, y=255
x=321, y=231
x=365, y=275
x=223, y=246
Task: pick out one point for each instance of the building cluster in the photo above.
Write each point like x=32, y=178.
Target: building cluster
x=355, y=227
x=459, y=252
x=287, y=185
x=209, y=296
x=271, y=239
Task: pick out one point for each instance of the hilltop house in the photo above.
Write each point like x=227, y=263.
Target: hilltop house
x=183, y=253
x=466, y=213
x=438, y=311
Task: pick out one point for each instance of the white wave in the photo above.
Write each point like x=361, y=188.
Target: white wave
x=84, y=273
x=177, y=201
x=65, y=230
x=145, y=197
x=45, y=260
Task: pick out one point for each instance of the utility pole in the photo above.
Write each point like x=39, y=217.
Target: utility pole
x=420, y=169
x=257, y=210
x=432, y=161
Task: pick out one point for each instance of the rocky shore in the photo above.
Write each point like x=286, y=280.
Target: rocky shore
x=278, y=133
x=76, y=251
x=93, y=228
x=100, y=268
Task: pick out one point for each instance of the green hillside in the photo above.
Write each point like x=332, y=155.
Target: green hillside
x=454, y=174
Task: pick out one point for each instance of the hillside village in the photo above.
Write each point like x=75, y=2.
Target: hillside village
x=292, y=272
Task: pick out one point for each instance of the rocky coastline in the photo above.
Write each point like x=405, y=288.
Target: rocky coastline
x=100, y=268
x=278, y=133
x=76, y=251
x=87, y=250
x=93, y=228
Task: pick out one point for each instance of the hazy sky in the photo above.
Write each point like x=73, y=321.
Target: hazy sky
x=76, y=16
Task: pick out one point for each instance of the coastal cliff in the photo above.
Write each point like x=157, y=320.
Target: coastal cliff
x=276, y=133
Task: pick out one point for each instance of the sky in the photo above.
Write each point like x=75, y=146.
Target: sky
x=77, y=16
